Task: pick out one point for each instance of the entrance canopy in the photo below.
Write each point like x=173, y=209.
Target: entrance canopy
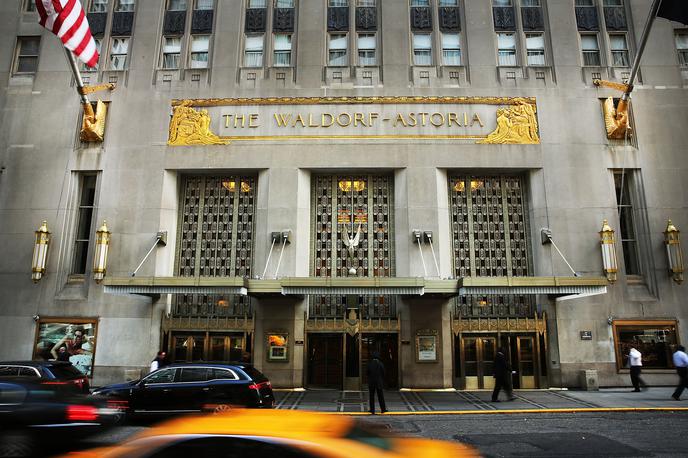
x=375, y=286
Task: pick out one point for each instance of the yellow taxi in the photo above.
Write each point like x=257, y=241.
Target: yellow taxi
x=273, y=434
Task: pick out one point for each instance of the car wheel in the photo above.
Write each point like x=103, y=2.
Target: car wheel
x=220, y=408
x=16, y=443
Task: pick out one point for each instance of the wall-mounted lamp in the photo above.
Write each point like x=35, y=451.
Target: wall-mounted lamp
x=40, y=252
x=674, y=254
x=101, y=252
x=608, y=245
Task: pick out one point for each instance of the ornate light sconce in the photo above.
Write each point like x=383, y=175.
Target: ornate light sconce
x=101, y=252
x=40, y=252
x=674, y=255
x=608, y=245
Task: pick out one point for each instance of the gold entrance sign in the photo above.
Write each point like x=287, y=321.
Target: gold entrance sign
x=490, y=120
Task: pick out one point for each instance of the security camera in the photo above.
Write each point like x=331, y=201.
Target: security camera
x=36, y=317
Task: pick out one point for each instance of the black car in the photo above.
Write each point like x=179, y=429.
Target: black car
x=38, y=419
x=181, y=388
x=61, y=374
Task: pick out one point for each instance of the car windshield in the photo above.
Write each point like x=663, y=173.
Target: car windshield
x=161, y=376
x=65, y=371
x=363, y=434
x=254, y=373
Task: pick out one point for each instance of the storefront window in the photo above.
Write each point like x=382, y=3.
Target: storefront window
x=656, y=340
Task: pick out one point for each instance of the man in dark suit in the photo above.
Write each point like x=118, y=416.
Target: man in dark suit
x=376, y=380
x=502, y=375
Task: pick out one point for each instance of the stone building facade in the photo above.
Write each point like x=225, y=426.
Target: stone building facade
x=318, y=180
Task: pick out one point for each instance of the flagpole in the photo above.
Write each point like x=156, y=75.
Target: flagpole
x=641, y=47
x=88, y=109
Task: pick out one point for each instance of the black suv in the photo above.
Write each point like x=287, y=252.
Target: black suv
x=181, y=388
x=61, y=374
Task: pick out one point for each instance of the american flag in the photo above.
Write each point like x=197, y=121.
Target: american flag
x=67, y=20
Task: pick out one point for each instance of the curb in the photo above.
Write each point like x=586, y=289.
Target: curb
x=522, y=411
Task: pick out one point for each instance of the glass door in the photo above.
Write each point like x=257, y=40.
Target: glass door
x=526, y=361
x=478, y=355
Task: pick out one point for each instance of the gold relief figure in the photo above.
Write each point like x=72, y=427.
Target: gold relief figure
x=191, y=127
x=616, y=120
x=515, y=124
x=93, y=124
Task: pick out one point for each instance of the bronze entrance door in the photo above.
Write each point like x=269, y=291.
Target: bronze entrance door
x=325, y=360
x=210, y=346
x=386, y=344
x=525, y=364
x=477, y=357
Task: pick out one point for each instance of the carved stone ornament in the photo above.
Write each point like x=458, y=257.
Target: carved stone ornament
x=515, y=124
x=192, y=127
x=93, y=124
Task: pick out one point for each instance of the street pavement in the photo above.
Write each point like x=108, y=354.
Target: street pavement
x=538, y=424
x=419, y=401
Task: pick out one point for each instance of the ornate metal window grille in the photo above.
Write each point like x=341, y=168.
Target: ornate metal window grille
x=490, y=239
x=342, y=204
x=216, y=231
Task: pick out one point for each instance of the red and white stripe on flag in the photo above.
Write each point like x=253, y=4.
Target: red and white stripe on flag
x=67, y=20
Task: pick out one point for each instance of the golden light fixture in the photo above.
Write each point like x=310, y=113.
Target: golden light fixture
x=229, y=185
x=608, y=245
x=674, y=254
x=346, y=185
x=101, y=252
x=223, y=303
x=460, y=186
x=40, y=252
x=245, y=186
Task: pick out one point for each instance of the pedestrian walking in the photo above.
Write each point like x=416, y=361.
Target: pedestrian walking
x=160, y=361
x=376, y=381
x=681, y=364
x=635, y=361
x=502, y=376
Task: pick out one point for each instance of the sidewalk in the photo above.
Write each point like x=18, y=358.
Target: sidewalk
x=429, y=401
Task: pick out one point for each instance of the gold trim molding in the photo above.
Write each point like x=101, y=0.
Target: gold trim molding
x=372, y=100
x=499, y=324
